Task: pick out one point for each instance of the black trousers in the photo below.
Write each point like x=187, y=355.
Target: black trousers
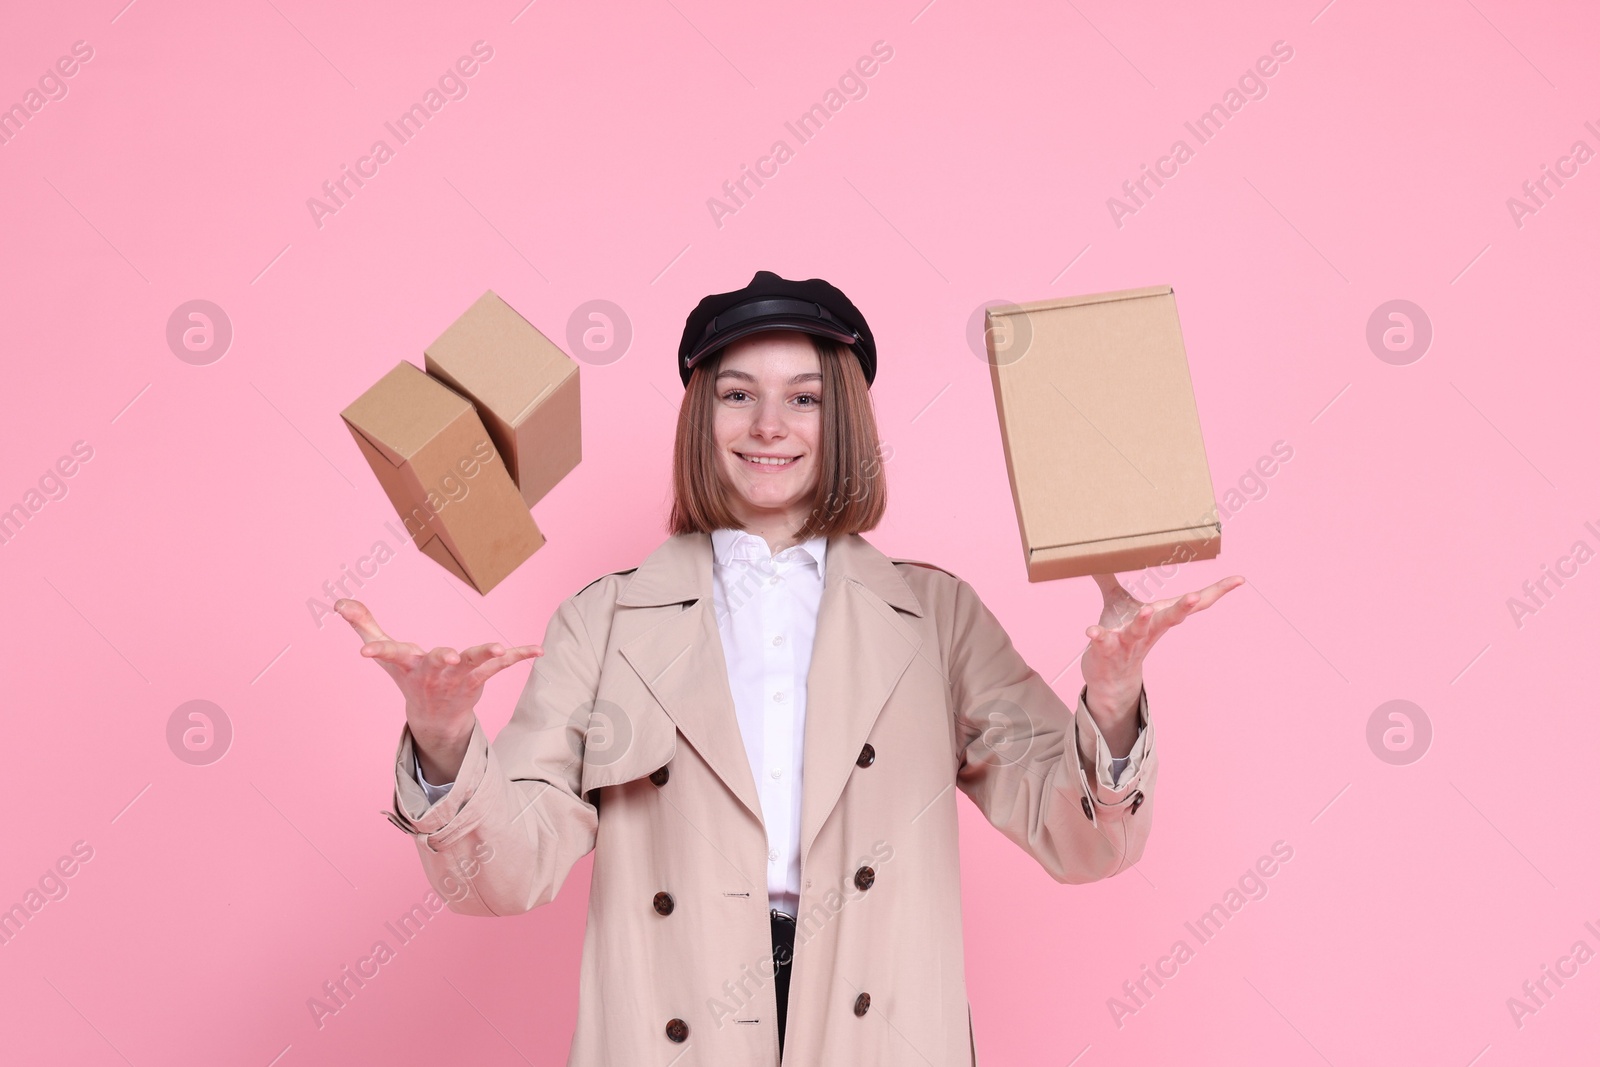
x=783, y=963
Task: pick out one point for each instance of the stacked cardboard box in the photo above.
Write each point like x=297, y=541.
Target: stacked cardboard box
x=1102, y=438
x=464, y=449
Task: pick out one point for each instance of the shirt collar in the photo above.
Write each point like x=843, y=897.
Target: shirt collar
x=728, y=545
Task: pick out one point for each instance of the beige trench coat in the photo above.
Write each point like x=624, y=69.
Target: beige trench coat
x=625, y=741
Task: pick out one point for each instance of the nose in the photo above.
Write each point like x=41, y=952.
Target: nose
x=769, y=419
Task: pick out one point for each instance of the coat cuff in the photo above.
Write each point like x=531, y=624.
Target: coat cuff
x=1094, y=756
x=412, y=812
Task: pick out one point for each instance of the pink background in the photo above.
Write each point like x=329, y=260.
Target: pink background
x=1380, y=557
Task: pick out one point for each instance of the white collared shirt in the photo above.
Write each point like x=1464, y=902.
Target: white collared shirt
x=766, y=608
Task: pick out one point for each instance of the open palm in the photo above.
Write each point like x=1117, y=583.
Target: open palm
x=441, y=687
x=1113, y=664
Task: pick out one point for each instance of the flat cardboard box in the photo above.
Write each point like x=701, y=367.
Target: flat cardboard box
x=524, y=387
x=1102, y=440
x=442, y=473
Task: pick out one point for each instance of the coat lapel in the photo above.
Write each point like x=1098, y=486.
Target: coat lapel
x=680, y=659
x=862, y=648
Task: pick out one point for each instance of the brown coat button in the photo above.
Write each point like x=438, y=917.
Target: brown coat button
x=863, y=1002
x=868, y=754
x=1138, y=798
x=659, y=776
x=663, y=903
x=677, y=1030
x=1088, y=810
x=865, y=877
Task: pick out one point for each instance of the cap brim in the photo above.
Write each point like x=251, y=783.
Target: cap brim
x=722, y=339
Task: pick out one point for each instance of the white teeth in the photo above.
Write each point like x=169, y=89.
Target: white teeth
x=767, y=460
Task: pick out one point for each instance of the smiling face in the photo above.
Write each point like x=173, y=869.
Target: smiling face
x=767, y=426
x=776, y=435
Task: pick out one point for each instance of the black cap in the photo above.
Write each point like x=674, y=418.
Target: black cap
x=773, y=303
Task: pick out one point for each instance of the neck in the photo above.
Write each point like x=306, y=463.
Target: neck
x=778, y=533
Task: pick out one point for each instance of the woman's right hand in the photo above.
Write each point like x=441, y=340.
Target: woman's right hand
x=441, y=687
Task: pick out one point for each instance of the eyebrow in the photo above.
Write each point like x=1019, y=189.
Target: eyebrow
x=806, y=376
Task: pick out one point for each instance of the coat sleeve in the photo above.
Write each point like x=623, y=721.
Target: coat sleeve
x=1037, y=769
x=505, y=836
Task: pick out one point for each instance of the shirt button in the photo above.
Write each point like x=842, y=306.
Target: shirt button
x=773, y=856
x=778, y=640
x=778, y=696
x=776, y=773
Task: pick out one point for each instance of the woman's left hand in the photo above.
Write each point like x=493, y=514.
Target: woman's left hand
x=1113, y=664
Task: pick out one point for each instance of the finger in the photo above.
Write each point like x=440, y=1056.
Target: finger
x=1108, y=646
x=1131, y=640
x=1214, y=592
x=441, y=658
x=400, y=653
x=505, y=659
x=1175, y=612
x=360, y=618
x=1182, y=607
x=477, y=654
x=1139, y=629
x=1125, y=609
x=494, y=666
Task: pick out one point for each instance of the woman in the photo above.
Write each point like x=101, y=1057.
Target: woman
x=760, y=732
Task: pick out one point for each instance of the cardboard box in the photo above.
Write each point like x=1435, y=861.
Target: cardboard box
x=435, y=459
x=524, y=387
x=1102, y=440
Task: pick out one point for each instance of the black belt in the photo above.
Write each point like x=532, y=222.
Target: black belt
x=783, y=935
